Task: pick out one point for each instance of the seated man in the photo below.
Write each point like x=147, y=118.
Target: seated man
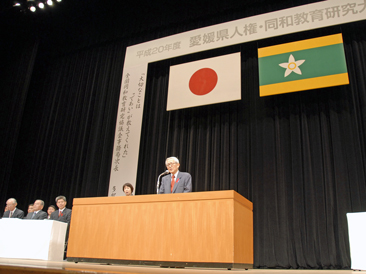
x=38, y=213
x=63, y=214
x=177, y=182
x=12, y=210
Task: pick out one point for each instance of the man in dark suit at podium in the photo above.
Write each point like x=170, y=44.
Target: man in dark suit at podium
x=63, y=214
x=13, y=211
x=38, y=213
x=177, y=182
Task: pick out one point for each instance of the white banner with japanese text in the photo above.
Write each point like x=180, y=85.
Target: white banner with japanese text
x=297, y=19
x=128, y=129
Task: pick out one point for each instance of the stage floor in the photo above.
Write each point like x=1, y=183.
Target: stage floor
x=15, y=266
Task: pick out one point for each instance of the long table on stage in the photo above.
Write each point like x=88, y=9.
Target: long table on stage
x=210, y=229
x=32, y=239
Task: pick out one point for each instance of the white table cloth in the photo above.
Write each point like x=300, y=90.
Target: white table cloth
x=32, y=239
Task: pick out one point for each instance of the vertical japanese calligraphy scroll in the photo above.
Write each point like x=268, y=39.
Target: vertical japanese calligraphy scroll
x=128, y=129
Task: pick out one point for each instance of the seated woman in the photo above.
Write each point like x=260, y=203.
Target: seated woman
x=128, y=189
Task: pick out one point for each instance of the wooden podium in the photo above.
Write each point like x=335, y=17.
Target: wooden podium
x=209, y=229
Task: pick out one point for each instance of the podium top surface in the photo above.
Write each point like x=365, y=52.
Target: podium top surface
x=151, y=198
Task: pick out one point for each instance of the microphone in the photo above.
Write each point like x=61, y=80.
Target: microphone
x=164, y=173
x=158, y=182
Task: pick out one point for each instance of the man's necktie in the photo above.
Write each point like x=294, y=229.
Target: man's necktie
x=60, y=213
x=11, y=214
x=34, y=214
x=172, y=184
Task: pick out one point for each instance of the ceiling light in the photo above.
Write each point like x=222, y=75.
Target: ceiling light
x=33, y=5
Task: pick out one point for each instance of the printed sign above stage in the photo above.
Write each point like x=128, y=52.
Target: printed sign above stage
x=303, y=65
x=312, y=16
x=204, y=82
x=128, y=126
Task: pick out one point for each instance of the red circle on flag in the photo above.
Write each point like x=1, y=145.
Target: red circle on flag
x=203, y=81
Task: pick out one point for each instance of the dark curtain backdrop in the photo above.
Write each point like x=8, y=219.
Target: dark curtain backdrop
x=300, y=158
x=16, y=71
x=67, y=136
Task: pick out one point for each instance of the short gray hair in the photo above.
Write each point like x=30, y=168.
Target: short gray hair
x=42, y=202
x=175, y=159
x=60, y=197
x=13, y=200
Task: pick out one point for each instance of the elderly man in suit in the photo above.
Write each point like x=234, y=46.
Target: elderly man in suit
x=38, y=213
x=12, y=210
x=177, y=182
x=63, y=214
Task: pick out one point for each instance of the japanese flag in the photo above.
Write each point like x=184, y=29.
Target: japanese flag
x=205, y=82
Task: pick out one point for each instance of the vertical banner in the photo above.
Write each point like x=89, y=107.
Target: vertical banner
x=128, y=129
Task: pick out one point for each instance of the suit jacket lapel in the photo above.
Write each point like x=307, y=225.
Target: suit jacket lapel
x=176, y=182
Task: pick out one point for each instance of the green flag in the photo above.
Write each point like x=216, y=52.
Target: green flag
x=302, y=65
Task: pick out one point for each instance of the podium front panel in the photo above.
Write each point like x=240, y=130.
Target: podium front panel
x=205, y=227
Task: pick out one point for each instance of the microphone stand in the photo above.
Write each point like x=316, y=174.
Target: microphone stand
x=158, y=182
